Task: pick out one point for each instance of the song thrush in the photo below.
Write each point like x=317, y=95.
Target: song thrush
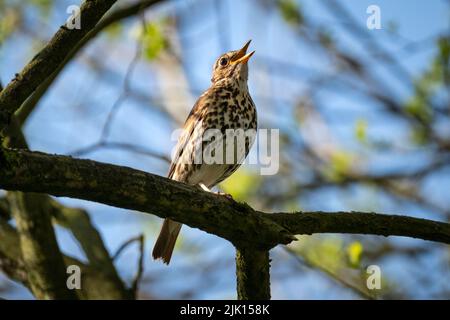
x=226, y=106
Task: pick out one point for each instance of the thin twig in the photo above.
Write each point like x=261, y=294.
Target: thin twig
x=124, y=245
x=126, y=88
x=122, y=13
x=140, y=270
x=102, y=143
x=119, y=145
x=316, y=267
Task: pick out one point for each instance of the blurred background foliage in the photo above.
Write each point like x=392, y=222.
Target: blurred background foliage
x=364, y=120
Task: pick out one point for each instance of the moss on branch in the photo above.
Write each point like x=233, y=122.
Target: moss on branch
x=132, y=189
x=244, y=227
x=252, y=274
x=363, y=223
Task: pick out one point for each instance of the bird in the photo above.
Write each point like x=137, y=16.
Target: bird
x=225, y=106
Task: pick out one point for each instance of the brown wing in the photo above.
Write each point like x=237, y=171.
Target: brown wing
x=192, y=120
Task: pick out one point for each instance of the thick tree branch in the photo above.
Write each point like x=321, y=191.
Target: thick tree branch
x=238, y=223
x=79, y=223
x=42, y=258
x=48, y=59
x=133, y=189
x=74, y=219
x=11, y=261
x=94, y=283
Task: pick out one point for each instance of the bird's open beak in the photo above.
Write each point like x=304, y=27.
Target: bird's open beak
x=241, y=56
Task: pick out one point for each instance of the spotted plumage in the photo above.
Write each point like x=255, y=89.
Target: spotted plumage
x=224, y=109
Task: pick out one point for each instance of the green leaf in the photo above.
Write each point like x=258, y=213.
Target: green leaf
x=153, y=40
x=8, y=23
x=327, y=253
x=354, y=252
x=339, y=166
x=361, y=130
x=290, y=11
x=419, y=107
x=419, y=135
x=429, y=83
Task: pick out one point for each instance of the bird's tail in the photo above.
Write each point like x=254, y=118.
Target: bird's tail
x=166, y=240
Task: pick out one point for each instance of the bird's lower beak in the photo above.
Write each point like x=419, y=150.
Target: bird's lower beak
x=241, y=56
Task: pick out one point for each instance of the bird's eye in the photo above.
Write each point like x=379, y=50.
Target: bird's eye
x=223, y=62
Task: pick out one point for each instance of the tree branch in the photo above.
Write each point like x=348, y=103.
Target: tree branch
x=74, y=219
x=41, y=256
x=363, y=223
x=94, y=283
x=90, y=240
x=244, y=227
x=252, y=274
x=137, y=190
x=140, y=266
x=11, y=262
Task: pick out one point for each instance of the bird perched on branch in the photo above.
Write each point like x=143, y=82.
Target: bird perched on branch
x=217, y=136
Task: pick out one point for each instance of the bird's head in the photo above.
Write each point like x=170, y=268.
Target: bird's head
x=232, y=66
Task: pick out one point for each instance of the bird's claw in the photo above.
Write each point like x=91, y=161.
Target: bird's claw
x=226, y=195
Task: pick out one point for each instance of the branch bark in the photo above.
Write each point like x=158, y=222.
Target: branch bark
x=78, y=222
x=252, y=274
x=11, y=261
x=94, y=283
x=240, y=224
x=137, y=190
x=42, y=258
x=363, y=223
x=74, y=219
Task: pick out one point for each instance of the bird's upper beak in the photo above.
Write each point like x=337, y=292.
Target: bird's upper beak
x=241, y=56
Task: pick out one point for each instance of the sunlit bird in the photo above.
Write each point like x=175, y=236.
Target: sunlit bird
x=224, y=106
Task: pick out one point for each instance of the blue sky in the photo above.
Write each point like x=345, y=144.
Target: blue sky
x=73, y=113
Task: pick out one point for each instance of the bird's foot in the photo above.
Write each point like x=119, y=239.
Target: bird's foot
x=17, y=77
x=226, y=195
x=205, y=188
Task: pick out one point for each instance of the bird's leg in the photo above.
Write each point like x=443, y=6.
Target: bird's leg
x=205, y=188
